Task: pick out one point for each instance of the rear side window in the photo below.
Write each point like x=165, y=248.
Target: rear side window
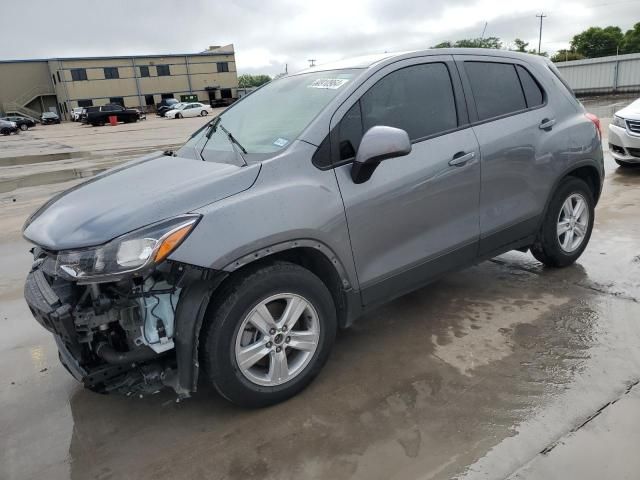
x=418, y=99
x=496, y=88
x=532, y=91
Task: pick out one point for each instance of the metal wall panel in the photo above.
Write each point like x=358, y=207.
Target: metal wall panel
x=606, y=74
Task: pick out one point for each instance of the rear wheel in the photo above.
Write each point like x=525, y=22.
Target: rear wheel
x=622, y=163
x=178, y=115
x=566, y=230
x=24, y=127
x=269, y=335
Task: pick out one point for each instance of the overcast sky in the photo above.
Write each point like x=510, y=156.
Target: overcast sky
x=268, y=34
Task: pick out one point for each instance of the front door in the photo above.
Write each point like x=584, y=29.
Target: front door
x=417, y=216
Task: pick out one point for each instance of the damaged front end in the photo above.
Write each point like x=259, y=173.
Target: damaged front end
x=124, y=318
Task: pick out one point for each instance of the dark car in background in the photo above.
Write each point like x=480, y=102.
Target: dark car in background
x=165, y=105
x=23, y=123
x=49, y=118
x=100, y=115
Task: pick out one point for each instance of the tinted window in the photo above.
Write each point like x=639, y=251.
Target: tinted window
x=418, y=99
x=163, y=70
x=350, y=132
x=111, y=72
x=532, y=91
x=85, y=103
x=78, y=74
x=223, y=66
x=496, y=88
x=144, y=71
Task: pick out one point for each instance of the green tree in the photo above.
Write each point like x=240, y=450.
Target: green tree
x=566, y=55
x=597, y=42
x=631, y=40
x=489, y=42
x=247, y=81
x=521, y=45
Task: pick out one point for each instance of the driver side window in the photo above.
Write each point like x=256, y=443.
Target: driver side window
x=418, y=99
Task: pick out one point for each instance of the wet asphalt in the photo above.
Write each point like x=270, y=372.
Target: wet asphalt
x=504, y=370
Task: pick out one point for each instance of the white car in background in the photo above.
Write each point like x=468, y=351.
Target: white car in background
x=75, y=114
x=190, y=109
x=624, y=136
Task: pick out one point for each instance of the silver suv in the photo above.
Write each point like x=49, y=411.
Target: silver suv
x=236, y=258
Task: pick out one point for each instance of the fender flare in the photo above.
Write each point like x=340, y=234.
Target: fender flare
x=290, y=245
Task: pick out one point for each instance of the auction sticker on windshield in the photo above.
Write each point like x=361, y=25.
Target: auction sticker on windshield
x=329, y=83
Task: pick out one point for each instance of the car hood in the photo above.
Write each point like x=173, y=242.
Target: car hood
x=630, y=112
x=131, y=196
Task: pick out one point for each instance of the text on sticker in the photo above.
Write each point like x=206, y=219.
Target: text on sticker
x=330, y=83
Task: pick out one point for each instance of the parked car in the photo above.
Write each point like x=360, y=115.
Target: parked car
x=23, y=123
x=7, y=127
x=165, y=105
x=76, y=113
x=49, y=118
x=100, y=115
x=190, y=109
x=237, y=257
x=624, y=136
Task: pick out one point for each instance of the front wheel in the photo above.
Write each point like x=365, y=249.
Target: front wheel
x=5, y=131
x=567, y=227
x=269, y=335
x=178, y=115
x=204, y=113
x=24, y=127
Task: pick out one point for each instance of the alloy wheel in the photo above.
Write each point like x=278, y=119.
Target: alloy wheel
x=573, y=222
x=277, y=339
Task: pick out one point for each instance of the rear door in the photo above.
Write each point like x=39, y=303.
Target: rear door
x=417, y=216
x=509, y=110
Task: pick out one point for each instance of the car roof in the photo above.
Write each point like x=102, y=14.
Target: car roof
x=368, y=61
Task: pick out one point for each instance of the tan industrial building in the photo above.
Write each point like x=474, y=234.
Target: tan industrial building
x=29, y=87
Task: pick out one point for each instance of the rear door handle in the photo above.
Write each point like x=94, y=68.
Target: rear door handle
x=461, y=158
x=547, y=123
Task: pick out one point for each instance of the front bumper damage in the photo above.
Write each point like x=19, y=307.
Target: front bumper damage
x=134, y=335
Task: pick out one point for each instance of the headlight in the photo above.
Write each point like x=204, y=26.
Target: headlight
x=129, y=253
x=618, y=122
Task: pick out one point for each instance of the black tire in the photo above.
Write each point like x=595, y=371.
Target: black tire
x=225, y=317
x=5, y=131
x=547, y=248
x=178, y=115
x=204, y=113
x=24, y=127
x=624, y=164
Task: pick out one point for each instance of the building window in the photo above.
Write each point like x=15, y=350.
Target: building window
x=58, y=75
x=164, y=96
x=117, y=100
x=85, y=103
x=163, y=70
x=144, y=71
x=223, y=66
x=78, y=74
x=53, y=77
x=111, y=72
x=148, y=100
x=225, y=93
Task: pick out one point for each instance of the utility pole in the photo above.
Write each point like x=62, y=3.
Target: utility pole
x=312, y=62
x=541, y=16
x=484, y=30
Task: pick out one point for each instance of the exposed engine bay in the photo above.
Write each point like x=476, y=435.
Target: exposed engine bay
x=117, y=336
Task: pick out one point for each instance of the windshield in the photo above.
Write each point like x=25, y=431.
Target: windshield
x=272, y=117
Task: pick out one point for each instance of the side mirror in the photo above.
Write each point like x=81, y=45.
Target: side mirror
x=378, y=143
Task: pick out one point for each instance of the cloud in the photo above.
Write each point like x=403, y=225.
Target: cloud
x=268, y=35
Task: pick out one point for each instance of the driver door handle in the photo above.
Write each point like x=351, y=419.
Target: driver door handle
x=461, y=158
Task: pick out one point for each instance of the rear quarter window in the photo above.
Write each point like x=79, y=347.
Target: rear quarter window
x=532, y=91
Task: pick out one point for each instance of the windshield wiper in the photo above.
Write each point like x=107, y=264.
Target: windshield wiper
x=231, y=138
